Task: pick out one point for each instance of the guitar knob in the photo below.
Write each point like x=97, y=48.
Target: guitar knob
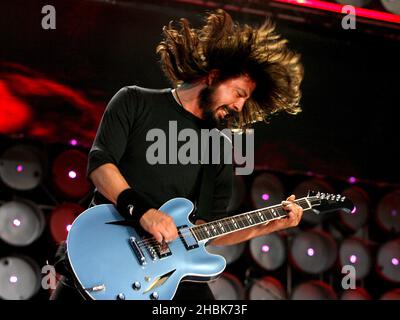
x=120, y=296
x=136, y=285
x=154, y=296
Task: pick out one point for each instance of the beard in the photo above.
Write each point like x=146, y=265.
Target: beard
x=207, y=104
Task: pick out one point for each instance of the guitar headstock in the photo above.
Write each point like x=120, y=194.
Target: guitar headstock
x=327, y=202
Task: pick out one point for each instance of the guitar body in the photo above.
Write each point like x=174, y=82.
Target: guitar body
x=110, y=262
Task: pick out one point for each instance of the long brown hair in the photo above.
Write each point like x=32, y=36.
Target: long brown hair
x=188, y=54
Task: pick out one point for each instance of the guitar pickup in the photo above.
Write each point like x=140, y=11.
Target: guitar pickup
x=138, y=252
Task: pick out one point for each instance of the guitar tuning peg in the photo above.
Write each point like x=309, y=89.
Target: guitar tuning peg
x=338, y=197
x=318, y=194
x=322, y=195
x=343, y=198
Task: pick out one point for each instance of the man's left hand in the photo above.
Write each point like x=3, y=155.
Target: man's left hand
x=294, y=215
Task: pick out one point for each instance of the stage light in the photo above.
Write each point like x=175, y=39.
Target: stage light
x=19, y=278
x=72, y=174
x=227, y=287
x=268, y=251
x=355, y=294
x=355, y=252
x=21, y=167
x=238, y=194
x=388, y=261
x=313, y=251
x=266, y=190
x=73, y=142
x=21, y=222
x=313, y=290
x=302, y=191
x=387, y=213
x=267, y=288
x=357, y=218
x=352, y=180
x=69, y=174
x=61, y=219
x=391, y=295
x=392, y=6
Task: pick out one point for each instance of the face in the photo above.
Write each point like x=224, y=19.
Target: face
x=225, y=99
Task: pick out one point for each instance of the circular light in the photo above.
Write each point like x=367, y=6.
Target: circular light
x=72, y=174
x=265, y=248
x=61, y=220
x=227, y=287
x=19, y=278
x=267, y=288
x=268, y=251
x=266, y=187
x=313, y=290
x=391, y=295
x=73, y=142
x=12, y=230
x=68, y=174
x=352, y=180
x=302, y=191
x=353, y=258
x=387, y=213
x=310, y=252
x=265, y=196
x=313, y=251
x=354, y=210
x=392, y=6
x=355, y=294
x=21, y=167
x=356, y=251
x=13, y=279
x=387, y=261
x=16, y=222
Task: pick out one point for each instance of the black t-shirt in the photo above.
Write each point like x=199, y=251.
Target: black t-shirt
x=121, y=140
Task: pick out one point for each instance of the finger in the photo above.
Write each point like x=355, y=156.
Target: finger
x=291, y=198
x=158, y=236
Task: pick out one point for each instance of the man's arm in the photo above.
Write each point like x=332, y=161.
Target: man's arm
x=109, y=181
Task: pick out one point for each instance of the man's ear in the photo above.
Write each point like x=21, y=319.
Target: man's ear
x=212, y=77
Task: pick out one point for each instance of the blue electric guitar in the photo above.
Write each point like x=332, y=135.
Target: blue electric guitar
x=113, y=260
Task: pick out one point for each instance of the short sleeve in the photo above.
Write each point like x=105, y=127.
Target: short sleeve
x=113, y=132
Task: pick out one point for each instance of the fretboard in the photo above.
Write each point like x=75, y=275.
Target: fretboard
x=242, y=221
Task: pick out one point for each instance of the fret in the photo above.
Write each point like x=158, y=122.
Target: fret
x=221, y=227
x=243, y=221
x=261, y=216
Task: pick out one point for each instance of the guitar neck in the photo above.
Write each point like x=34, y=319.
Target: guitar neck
x=243, y=221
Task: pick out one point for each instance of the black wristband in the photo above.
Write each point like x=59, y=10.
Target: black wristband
x=131, y=205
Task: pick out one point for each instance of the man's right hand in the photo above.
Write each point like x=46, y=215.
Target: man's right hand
x=160, y=225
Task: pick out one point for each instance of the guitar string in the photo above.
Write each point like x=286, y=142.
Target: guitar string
x=152, y=240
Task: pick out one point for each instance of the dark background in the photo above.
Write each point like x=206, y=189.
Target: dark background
x=350, y=91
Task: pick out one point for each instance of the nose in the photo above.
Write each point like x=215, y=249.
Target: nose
x=238, y=106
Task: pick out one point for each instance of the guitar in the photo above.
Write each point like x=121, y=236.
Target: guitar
x=113, y=260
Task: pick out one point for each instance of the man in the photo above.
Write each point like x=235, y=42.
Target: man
x=225, y=75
